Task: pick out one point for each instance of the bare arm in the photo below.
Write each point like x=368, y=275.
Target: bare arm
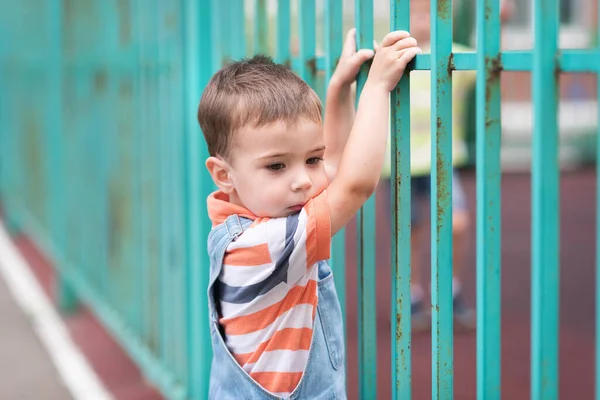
x=339, y=104
x=363, y=156
x=339, y=117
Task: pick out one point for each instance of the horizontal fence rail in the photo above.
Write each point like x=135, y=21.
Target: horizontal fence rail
x=102, y=163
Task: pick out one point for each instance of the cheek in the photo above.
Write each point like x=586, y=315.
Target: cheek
x=320, y=179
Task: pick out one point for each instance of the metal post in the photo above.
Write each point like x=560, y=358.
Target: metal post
x=441, y=200
x=366, y=258
x=401, y=221
x=488, y=201
x=545, y=205
x=198, y=70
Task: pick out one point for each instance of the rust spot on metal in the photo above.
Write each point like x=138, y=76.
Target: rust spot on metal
x=100, y=80
x=488, y=13
x=557, y=67
x=494, y=66
x=311, y=64
x=451, y=65
x=171, y=21
x=442, y=190
x=443, y=9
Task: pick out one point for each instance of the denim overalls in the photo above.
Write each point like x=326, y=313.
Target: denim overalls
x=324, y=376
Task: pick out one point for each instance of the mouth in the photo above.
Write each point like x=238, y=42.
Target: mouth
x=297, y=207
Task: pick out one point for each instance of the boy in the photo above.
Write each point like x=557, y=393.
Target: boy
x=421, y=139
x=286, y=185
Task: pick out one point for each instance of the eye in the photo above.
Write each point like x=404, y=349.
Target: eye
x=314, y=160
x=275, y=167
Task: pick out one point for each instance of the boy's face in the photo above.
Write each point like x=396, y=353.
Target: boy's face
x=276, y=168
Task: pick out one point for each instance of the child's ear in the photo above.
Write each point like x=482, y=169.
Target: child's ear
x=219, y=171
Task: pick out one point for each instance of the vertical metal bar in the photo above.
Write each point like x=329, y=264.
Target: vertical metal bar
x=224, y=25
x=366, y=259
x=333, y=48
x=144, y=149
x=198, y=70
x=238, y=29
x=9, y=120
x=283, y=33
x=488, y=201
x=141, y=270
x=4, y=131
x=545, y=205
x=216, y=47
x=8, y=93
x=307, y=68
x=152, y=173
x=102, y=91
x=166, y=164
x=441, y=199
x=171, y=147
x=178, y=240
x=54, y=145
x=261, y=27
x=597, y=386
x=401, y=220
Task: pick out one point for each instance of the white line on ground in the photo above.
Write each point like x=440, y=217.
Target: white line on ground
x=76, y=373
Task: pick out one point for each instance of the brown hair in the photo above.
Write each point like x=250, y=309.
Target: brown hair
x=253, y=91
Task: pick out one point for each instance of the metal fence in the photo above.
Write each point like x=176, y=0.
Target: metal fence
x=102, y=163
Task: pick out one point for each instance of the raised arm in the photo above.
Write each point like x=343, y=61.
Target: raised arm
x=363, y=156
x=339, y=104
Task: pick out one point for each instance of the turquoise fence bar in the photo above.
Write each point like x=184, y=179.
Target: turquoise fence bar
x=597, y=364
x=198, y=70
x=365, y=226
x=307, y=68
x=283, y=33
x=545, y=204
x=55, y=145
x=401, y=221
x=104, y=170
x=441, y=200
x=488, y=201
x=334, y=37
x=237, y=21
x=261, y=27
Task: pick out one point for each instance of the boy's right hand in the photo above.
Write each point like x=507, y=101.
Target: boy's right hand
x=397, y=49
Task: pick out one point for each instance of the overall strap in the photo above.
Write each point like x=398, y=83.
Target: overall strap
x=220, y=238
x=234, y=227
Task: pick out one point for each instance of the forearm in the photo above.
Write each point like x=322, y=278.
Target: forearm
x=364, y=153
x=339, y=117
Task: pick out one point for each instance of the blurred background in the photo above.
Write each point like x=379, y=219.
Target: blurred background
x=103, y=190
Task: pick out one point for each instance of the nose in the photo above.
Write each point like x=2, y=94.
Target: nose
x=301, y=181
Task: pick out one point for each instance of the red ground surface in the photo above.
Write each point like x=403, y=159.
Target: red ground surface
x=576, y=304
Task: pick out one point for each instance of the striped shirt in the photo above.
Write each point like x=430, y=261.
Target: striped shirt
x=267, y=289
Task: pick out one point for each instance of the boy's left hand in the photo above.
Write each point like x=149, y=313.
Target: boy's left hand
x=350, y=60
